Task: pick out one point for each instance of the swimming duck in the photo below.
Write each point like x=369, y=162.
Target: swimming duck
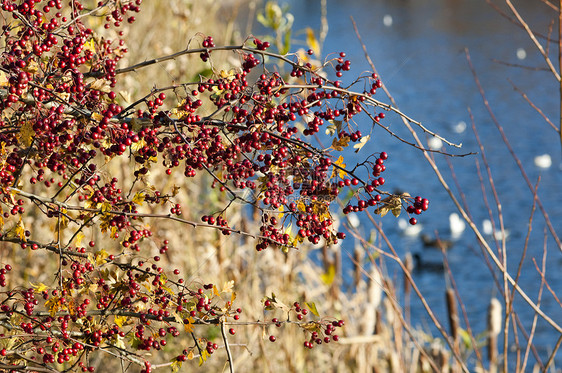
x=421, y=265
x=436, y=242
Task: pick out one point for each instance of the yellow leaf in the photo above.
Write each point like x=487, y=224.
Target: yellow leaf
x=52, y=305
x=139, y=198
x=120, y=320
x=337, y=171
x=215, y=290
x=100, y=257
x=189, y=326
x=32, y=66
x=311, y=40
x=90, y=45
x=96, y=116
x=105, y=207
x=78, y=239
x=176, y=365
x=114, y=232
x=39, y=288
x=17, y=231
x=203, y=357
x=329, y=276
x=233, y=296
x=190, y=355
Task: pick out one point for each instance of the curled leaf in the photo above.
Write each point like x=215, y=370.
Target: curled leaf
x=391, y=203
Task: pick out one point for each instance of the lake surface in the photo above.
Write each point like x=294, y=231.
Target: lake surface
x=418, y=49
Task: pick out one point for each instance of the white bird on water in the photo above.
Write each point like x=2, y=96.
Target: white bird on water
x=435, y=143
x=488, y=230
x=456, y=224
x=543, y=161
x=460, y=127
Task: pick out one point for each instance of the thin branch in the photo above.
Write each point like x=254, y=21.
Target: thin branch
x=534, y=39
x=227, y=347
x=538, y=110
x=471, y=224
x=511, y=151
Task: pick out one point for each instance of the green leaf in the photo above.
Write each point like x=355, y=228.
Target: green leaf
x=312, y=307
x=465, y=338
x=286, y=43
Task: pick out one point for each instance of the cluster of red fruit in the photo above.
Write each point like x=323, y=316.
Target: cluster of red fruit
x=317, y=332
x=60, y=121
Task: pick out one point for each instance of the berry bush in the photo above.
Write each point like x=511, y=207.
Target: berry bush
x=257, y=134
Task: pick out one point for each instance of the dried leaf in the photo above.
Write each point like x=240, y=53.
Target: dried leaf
x=228, y=286
x=361, y=143
x=340, y=144
x=4, y=80
x=331, y=130
x=391, y=203
x=311, y=326
x=27, y=133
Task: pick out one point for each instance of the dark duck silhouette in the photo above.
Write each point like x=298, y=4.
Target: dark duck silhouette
x=426, y=266
x=437, y=243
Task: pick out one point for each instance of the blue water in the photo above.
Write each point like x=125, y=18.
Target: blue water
x=421, y=59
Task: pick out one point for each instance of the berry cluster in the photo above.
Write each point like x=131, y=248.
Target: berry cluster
x=317, y=332
x=252, y=131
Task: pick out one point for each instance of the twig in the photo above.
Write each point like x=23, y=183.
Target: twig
x=534, y=39
x=227, y=347
x=511, y=151
x=537, y=109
